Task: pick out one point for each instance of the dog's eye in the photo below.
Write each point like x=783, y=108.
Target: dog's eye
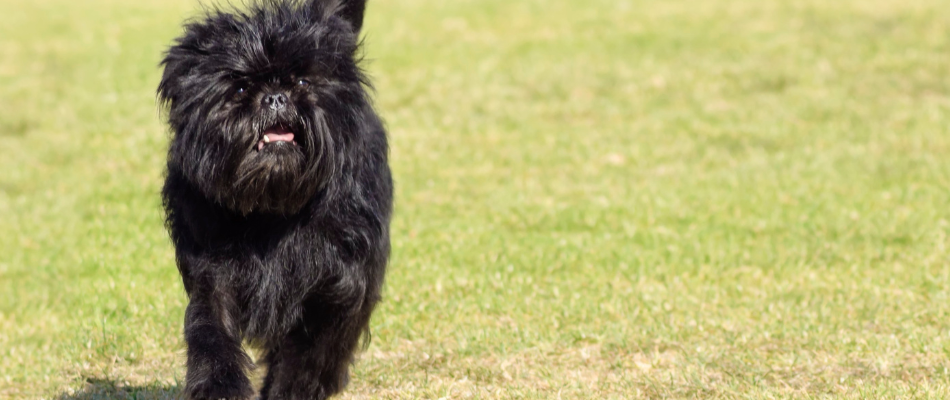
x=240, y=90
x=303, y=83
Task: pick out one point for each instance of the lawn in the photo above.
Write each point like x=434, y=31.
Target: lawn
x=596, y=199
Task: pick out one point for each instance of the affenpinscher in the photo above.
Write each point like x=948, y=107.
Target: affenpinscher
x=278, y=195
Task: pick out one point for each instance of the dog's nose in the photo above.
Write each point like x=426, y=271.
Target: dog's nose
x=275, y=101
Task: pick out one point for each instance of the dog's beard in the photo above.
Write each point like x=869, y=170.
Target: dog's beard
x=251, y=173
x=269, y=180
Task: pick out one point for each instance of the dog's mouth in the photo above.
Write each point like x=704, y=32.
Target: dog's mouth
x=276, y=135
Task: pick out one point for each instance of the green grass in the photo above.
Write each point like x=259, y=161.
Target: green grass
x=595, y=199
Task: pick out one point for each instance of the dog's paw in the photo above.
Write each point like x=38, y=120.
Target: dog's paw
x=221, y=385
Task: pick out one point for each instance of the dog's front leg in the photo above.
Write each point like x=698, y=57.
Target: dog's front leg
x=312, y=362
x=217, y=365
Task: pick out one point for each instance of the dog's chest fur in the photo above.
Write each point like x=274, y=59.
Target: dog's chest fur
x=268, y=268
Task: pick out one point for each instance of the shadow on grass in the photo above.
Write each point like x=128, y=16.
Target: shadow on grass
x=105, y=389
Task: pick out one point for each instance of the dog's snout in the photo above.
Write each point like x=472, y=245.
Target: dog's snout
x=275, y=101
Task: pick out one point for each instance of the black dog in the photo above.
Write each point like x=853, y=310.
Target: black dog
x=278, y=195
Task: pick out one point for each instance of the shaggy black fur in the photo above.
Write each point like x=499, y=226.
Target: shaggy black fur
x=283, y=242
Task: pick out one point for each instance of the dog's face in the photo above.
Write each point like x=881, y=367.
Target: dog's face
x=262, y=102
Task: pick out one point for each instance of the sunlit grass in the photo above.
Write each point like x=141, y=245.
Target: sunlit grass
x=595, y=199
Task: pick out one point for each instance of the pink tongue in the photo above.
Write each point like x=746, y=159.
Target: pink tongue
x=279, y=134
x=276, y=137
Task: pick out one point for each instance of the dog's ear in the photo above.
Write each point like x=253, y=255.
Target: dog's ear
x=352, y=12
x=349, y=10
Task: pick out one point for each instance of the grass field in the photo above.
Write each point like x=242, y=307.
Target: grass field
x=602, y=199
